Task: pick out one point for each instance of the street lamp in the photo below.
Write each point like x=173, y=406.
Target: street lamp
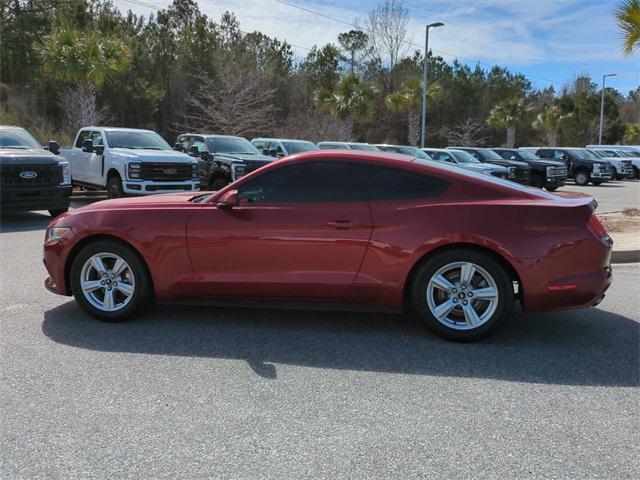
x=604, y=78
x=423, y=130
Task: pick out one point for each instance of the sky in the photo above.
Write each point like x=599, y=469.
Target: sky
x=549, y=41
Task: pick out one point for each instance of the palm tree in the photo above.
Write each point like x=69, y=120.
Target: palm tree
x=507, y=115
x=352, y=99
x=409, y=98
x=628, y=16
x=548, y=123
x=85, y=61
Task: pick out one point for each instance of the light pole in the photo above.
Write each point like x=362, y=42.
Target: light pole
x=425, y=86
x=604, y=78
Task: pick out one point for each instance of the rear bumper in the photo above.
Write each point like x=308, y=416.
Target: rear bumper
x=21, y=199
x=577, y=279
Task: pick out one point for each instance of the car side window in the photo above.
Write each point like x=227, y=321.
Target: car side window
x=545, y=153
x=444, y=157
x=386, y=183
x=303, y=183
x=96, y=137
x=559, y=155
x=199, y=143
x=260, y=145
x=82, y=136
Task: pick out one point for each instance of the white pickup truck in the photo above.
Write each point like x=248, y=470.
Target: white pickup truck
x=128, y=161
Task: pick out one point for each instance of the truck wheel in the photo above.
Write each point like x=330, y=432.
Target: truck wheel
x=636, y=173
x=114, y=187
x=536, y=181
x=58, y=211
x=109, y=281
x=462, y=294
x=218, y=183
x=551, y=189
x=581, y=178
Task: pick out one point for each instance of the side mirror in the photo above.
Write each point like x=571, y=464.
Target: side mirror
x=99, y=149
x=265, y=151
x=273, y=152
x=228, y=200
x=54, y=147
x=87, y=146
x=194, y=151
x=179, y=147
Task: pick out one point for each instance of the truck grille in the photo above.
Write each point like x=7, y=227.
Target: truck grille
x=165, y=172
x=557, y=172
x=626, y=165
x=32, y=175
x=523, y=175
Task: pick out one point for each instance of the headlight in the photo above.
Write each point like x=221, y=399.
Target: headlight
x=194, y=171
x=512, y=172
x=597, y=167
x=134, y=170
x=238, y=170
x=56, y=233
x=66, y=173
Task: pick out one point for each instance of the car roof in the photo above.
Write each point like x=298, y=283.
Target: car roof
x=211, y=135
x=119, y=129
x=11, y=127
x=268, y=139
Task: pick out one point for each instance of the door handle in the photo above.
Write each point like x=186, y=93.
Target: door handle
x=343, y=224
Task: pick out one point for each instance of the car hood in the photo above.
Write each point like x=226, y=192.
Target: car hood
x=164, y=200
x=248, y=158
x=482, y=167
x=154, y=155
x=546, y=163
x=33, y=156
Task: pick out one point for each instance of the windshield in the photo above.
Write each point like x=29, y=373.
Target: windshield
x=624, y=153
x=237, y=145
x=587, y=154
x=528, y=155
x=413, y=151
x=17, y=138
x=464, y=157
x=363, y=146
x=490, y=155
x=299, y=147
x=136, y=140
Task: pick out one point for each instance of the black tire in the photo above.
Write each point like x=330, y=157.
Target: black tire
x=114, y=187
x=551, y=189
x=536, y=180
x=54, y=212
x=636, y=173
x=581, y=178
x=137, y=268
x=419, y=292
x=597, y=182
x=218, y=183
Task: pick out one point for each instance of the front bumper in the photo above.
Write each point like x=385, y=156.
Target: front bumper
x=23, y=199
x=601, y=175
x=555, y=182
x=147, y=187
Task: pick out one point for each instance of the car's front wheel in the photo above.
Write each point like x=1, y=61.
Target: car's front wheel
x=109, y=281
x=462, y=294
x=581, y=178
x=114, y=187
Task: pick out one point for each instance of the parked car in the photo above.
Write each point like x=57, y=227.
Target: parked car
x=129, y=161
x=387, y=232
x=627, y=148
x=347, y=146
x=467, y=161
x=583, y=166
x=404, y=150
x=519, y=172
x=622, y=165
x=549, y=174
x=280, y=147
x=222, y=159
x=32, y=177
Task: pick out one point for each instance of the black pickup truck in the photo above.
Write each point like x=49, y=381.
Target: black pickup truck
x=544, y=173
x=583, y=166
x=32, y=177
x=519, y=172
x=222, y=159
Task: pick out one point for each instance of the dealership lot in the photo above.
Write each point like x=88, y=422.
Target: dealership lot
x=195, y=392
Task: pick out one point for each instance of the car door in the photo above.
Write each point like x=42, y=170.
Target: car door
x=294, y=235
x=95, y=162
x=78, y=158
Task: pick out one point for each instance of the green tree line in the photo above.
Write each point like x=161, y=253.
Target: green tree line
x=68, y=63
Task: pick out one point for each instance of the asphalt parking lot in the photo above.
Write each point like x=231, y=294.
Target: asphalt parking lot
x=203, y=392
x=611, y=196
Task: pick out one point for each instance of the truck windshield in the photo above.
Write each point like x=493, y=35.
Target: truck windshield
x=464, y=157
x=528, y=155
x=489, y=155
x=232, y=145
x=299, y=147
x=136, y=140
x=364, y=146
x=584, y=153
x=17, y=138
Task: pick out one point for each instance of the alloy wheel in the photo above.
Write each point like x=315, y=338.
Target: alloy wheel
x=462, y=295
x=107, y=282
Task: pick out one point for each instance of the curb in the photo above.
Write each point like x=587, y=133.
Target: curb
x=625, y=256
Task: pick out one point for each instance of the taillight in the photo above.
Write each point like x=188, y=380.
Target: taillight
x=595, y=226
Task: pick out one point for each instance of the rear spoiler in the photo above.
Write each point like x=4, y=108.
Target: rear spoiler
x=578, y=196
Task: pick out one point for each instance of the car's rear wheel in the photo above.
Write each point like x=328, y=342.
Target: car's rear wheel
x=109, y=281
x=581, y=178
x=462, y=294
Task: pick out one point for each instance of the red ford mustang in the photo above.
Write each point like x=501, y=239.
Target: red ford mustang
x=365, y=229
